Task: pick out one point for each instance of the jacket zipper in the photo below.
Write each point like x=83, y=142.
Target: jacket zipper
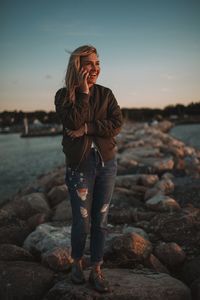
x=84, y=151
x=102, y=161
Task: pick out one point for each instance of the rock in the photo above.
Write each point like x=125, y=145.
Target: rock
x=14, y=233
x=124, y=284
x=58, y=194
x=192, y=165
x=162, y=203
x=126, y=163
x=125, y=198
x=195, y=289
x=153, y=263
x=12, y=252
x=46, y=238
x=159, y=165
x=7, y=217
x=36, y=220
x=51, y=179
x=62, y=212
x=145, y=151
x=126, y=181
x=191, y=270
x=163, y=126
x=120, y=215
x=181, y=227
x=140, y=231
x=29, y=205
x=58, y=259
x=24, y=280
x=171, y=254
x=187, y=191
x=166, y=186
x=151, y=193
x=127, y=247
x=167, y=175
x=148, y=180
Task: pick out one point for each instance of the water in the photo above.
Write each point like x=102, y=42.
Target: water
x=24, y=159
x=189, y=134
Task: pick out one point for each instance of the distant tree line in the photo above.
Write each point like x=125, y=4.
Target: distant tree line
x=146, y=114
x=11, y=118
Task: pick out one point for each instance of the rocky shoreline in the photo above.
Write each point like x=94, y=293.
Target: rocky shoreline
x=153, y=245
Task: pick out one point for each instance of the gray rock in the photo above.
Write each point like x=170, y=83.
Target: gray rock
x=151, y=193
x=124, y=285
x=47, y=237
x=131, y=229
x=162, y=203
x=166, y=186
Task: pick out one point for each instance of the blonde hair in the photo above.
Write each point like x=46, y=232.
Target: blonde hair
x=71, y=78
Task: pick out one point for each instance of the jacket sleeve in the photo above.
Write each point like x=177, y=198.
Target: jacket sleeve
x=72, y=114
x=111, y=126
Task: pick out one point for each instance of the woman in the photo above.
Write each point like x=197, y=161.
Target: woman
x=91, y=118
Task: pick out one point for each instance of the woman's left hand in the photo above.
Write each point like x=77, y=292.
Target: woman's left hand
x=76, y=133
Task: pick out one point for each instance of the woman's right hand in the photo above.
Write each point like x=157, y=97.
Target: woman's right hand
x=82, y=81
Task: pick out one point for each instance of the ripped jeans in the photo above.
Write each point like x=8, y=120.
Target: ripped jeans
x=90, y=194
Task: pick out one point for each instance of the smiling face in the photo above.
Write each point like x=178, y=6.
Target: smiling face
x=92, y=65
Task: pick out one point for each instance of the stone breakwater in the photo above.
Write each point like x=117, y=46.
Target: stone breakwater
x=152, y=249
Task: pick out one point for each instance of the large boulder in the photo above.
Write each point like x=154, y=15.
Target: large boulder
x=14, y=233
x=12, y=252
x=62, y=212
x=127, y=247
x=181, y=227
x=171, y=254
x=47, y=237
x=22, y=280
x=124, y=285
x=58, y=259
x=58, y=194
x=26, y=206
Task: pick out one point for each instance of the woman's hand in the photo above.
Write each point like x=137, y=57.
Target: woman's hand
x=82, y=81
x=76, y=133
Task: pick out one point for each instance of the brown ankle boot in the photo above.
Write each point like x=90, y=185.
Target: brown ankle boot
x=98, y=281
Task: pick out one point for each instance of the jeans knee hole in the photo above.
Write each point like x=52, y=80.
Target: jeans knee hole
x=82, y=193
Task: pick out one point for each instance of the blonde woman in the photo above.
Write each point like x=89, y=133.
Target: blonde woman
x=91, y=119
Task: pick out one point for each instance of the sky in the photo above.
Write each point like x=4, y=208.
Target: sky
x=149, y=50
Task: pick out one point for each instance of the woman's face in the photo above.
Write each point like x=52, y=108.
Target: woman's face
x=91, y=64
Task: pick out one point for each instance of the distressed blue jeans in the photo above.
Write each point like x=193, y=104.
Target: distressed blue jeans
x=90, y=194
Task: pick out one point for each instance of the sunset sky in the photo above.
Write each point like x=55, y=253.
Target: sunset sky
x=149, y=50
